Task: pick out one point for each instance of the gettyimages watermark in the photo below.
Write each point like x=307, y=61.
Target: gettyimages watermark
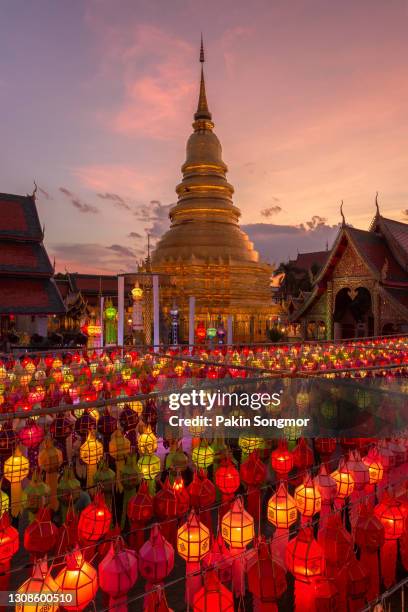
x=208, y=399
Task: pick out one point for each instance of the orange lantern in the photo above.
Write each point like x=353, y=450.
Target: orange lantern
x=375, y=467
x=304, y=556
x=16, y=468
x=307, y=497
x=391, y=515
x=79, y=578
x=282, y=460
x=95, y=520
x=193, y=539
x=237, y=526
x=213, y=596
x=282, y=510
x=227, y=479
x=41, y=584
x=344, y=481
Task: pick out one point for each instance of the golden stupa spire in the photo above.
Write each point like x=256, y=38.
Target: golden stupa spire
x=202, y=107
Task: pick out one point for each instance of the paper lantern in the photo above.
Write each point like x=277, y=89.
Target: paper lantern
x=4, y=503
x=326, y=485
x=248, y=444
x=325, y=447
x=42, y=585
x=369, y=537
x=336, y=543
x=147, y=442
x=220, y=558
x=31, y=435
x=16, y=468
x=227, y=479
x=139, y=512
x=36, y=493
x=282, y=510
x=94, y=520
x=390, y=513
x=344, y=481
x=50, y=460
x=302, y=455
x=91, y=452
x=213, y=596
x=165, y=508
x=193, y=539
x=282, y=460
x=202, y=494
x=304, y=556
x=356, y=585
x=9, y=542
x=203, y=455
x=117, y=573
x=149, y=466
x=80, y=578
x=40, y=537
x=266, y=577
x=307, y=497
x=237, y=526
x=359, y=470
x=119, y=448
x=375, y=467
x=156, y=558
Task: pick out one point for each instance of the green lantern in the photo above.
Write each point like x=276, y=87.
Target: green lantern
x=203, y=455
x=36, y=495
x=149, y=467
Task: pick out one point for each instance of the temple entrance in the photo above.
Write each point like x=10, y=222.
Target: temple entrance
x=353, y=314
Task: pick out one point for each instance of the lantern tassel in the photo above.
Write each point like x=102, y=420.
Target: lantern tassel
x=238, y=575
x=193, y=582
x=16, y=494
x=118, y=604
x=90, y=474
x=253, y=502
x=388, y=562
x=369, y=560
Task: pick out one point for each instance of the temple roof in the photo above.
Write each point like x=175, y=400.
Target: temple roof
x=304, y=261
x=24, y=258
x=29, y=296
x=19, y=218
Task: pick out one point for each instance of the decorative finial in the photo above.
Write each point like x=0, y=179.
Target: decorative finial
x=376, y=204
x=202, y=58
x=148, y=246
x=202, y=107
x=342, y=214
x=34, y=190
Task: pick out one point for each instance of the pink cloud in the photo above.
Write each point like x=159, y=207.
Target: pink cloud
x=114, y=177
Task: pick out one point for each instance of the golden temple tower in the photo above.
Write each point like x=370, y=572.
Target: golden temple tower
x=205, y=251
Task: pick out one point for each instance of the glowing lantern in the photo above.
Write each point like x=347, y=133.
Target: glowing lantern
x=219, y=557
x=282, y=460
x=253, y=473
x=227, y=479
x=193, y=539
x=304, y=556
x=307, y=497
x=4, y=503
x=390, y=513
x=248, y=444
x=78, y=577
x=40, y=537
x=203, y=455
x=40, y=583
x=31, y=435
x=237, y=526
x=344, y=481
x=282, y=510
x=118, y=573
x=94, y=520
x=336, y=543
x=201, y=332
x=359, y=470
x=375, y=467
x=302, y=455
x=369, y=537
x=16, y=468
x=149, y=467
x=137, y=292
x=202, y=495
x=9, y=542
x=213, y=596
x=156, y=558
x=165, y=508
x=91, y=452
x=50, y=460
x=326, y=485
x=147, y=442
x=139, y=512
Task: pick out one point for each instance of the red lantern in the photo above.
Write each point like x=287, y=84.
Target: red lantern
x=41, y=535
x=165, y=508
x=94, y=520
x=390, y=514
x=139, y=512
x=369, y=537
x=117, y=574
x=202, y=495
x=325, y=447
x=31, y=435
x=182, y=496
x=213, y=596
x=356, y=586
x=9, y=542
x=227, y=479
x=78, y=577
x=305, y=560
x=253, y=474
x=156, y=558
x=220, y=558
x=266, y=579
x=282, y=460
x=336, y=543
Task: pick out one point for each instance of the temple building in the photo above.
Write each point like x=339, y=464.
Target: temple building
x=28, y=294
x=362, y=289
x=205, y=252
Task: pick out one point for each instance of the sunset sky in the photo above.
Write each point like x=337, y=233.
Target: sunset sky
x=309, y=98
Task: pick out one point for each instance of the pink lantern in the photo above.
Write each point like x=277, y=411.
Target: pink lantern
x=117, y=574
x=156, y=559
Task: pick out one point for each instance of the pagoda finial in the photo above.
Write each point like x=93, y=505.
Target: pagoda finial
x=342, y=214
x=202, y=107
x=376, y=204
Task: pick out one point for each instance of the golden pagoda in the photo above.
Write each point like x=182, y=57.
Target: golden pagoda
x=205, y=252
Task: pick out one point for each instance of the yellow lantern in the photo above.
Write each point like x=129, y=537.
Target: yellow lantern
x=119, y=448
x=16, y=468
x=193, y=539
x=344, y=481
x=91, y=452
x=40, y=585
x=137, y=292
x=147, y=442
x=282, y=511
x=50, y=460
x=4, y=503
x=307, y=497
x=203, y=455
x=237, y=526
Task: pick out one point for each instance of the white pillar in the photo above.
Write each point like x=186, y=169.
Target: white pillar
x=229, y=330
x=191, y=320
x=156, y=313
x=102, y=321
x=121, y=309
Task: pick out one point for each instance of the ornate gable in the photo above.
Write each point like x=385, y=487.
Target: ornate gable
x=351, y=264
